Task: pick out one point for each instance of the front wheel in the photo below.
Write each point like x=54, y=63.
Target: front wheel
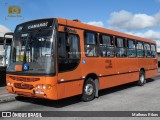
x=142, y=79
x=89, y=90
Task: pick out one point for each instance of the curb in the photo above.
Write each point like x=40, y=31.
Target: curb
x=7, y=98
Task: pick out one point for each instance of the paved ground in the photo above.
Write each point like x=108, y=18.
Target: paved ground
x=123, y=98
x=5, y=96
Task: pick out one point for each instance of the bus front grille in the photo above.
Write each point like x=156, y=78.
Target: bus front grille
x=24, y=79
x=23, y=86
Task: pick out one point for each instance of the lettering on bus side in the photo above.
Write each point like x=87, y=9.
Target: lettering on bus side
x=109, y=64
x=69, y=30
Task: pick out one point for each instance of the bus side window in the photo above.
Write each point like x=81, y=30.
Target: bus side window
x=140, y=49
x=153, y=51
x=131, y=51
x=147, y=49
x=73, y=51
x=90, y=44
x=106, y=46
x=120, y=47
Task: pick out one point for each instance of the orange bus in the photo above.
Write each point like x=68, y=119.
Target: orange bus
x=56, y=58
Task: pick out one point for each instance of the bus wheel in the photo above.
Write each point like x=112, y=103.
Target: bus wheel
x=89, y=90
x=142, y=79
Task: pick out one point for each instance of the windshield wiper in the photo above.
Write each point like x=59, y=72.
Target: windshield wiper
x=32, y=38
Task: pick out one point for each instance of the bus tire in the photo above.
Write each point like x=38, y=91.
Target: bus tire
x=89, y=90
x=142, y=79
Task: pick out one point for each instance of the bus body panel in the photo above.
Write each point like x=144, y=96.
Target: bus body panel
x=68, y=89
x=117, y=79
x=151, y=73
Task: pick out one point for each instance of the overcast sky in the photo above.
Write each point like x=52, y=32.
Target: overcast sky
x=138, y=17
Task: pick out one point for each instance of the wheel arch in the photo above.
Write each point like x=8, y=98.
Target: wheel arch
x=142, y=69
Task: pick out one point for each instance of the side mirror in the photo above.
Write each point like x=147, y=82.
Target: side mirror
x=5, y=40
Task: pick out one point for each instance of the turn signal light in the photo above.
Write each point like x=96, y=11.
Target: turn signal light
x=44, y=86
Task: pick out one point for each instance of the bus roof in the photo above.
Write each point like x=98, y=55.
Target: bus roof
x=77, y=24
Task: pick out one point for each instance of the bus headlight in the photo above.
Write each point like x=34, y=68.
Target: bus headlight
x=44, y=86
x=38, y=86
x=9, y=83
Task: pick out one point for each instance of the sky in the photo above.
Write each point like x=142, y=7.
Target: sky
x=137, y=17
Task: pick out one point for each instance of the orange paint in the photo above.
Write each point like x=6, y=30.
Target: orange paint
x=18, y=67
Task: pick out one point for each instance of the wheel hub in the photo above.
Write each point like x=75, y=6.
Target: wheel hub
x=142, y=78
x=89, y=89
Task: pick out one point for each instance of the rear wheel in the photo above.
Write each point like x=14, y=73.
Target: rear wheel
x=142, y=79
x=89, y=90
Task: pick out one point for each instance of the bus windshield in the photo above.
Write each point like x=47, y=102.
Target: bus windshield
x=34, y=49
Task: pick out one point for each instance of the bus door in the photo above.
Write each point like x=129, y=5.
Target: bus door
x=69, y=71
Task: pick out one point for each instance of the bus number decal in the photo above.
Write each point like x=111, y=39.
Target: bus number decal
x=109, y=64
x=69, y=30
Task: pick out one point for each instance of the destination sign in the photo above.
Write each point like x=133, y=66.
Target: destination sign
x=38, y=25
x=33, y=25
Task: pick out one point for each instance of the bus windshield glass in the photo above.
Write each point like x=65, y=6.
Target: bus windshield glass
x=32, y=52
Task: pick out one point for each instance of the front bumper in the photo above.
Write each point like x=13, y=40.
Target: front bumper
x=27, y=86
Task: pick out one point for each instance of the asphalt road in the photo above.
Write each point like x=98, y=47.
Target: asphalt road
x=122, y=98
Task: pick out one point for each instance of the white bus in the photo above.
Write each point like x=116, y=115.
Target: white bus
x=4, y=55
